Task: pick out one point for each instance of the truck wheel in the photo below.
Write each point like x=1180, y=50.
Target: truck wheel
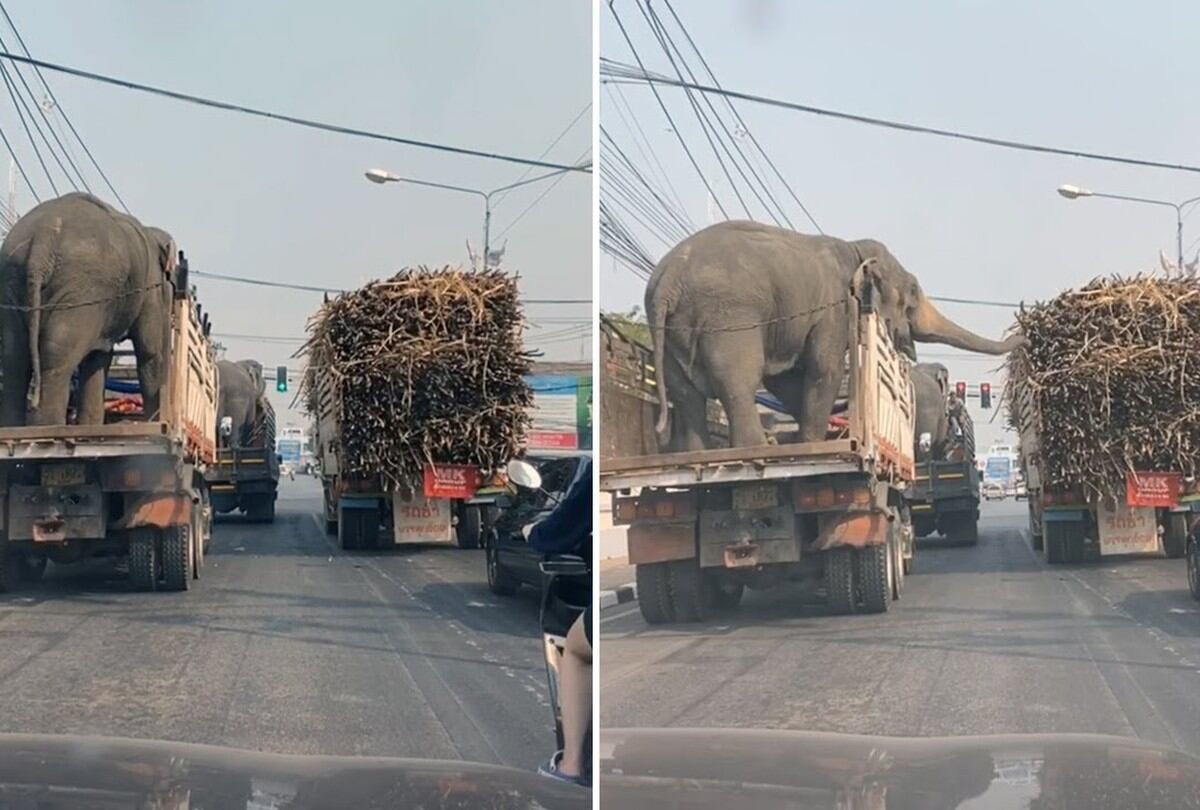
x=469, y=526
x=330, y=510
x=177, y=558
x=143, y=559
x=727, y=595
x=654, y=593
x=500, y=582
x=358, y=528
x=875, y=577
x=897, y=570
x=691, y=591
x=1053, y=543
x=1175, y=535
x=839, y=580
x=1036, y=526
x=1193, y=567
x=963, y=529
x=8, y=571
x=261, y=509
x=32, y=567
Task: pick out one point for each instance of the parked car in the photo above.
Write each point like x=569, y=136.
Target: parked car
x=993, y=491
x=510, y=561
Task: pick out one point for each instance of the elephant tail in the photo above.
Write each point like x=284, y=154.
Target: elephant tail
x=658, y=334
x=35, y=271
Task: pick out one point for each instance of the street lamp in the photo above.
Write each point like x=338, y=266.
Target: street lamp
x=382, y=176
x=1075, y=192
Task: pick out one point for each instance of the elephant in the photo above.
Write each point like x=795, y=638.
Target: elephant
x=931, y=385
x=241, y=385
x=739, y=305
x=76, y=278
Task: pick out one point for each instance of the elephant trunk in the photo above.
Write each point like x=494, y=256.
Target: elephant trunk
x=931, y=326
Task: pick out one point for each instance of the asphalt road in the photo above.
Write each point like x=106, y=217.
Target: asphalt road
x=985, y=640
x=286, y=644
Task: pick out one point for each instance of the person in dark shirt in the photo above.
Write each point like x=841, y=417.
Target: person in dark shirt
x=568, y=530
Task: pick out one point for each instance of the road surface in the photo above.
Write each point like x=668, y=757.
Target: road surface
x=286, y=644
x=985, y=640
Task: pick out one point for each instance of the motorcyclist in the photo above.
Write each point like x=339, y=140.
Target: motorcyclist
x=568, y=530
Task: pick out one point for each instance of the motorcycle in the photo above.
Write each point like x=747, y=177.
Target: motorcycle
x=566, y=593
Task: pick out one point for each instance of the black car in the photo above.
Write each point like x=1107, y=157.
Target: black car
x=510, y=560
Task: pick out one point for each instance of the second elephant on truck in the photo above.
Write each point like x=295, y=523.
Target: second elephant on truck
x=78, y=277
x=931, y=386
x=741, y=305
x=241, y=387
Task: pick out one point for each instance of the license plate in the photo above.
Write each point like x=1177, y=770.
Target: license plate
x=63, y=475
x=763, y=496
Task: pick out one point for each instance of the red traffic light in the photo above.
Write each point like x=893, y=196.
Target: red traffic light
x=960, y=389
x=985, y=388
x=985, y=395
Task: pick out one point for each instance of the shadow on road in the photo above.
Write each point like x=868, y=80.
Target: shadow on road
x=1173, y=612
x=480, y=610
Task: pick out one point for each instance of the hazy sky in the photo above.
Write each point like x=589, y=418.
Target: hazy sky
x=969, y=221
x=251, y=197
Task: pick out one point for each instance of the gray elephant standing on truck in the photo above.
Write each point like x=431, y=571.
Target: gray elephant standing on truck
x=741, y=305
x=78, y=277
x=241, y=386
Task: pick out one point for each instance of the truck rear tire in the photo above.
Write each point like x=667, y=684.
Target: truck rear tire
x=1175, y=535
x=358, y=528
x=691, y=591
x=31, y=567
x=963, y=529
x=874, y=564
x=1193, y=567
x=261, y=509
x=143, y=559
x=470, y=528
x=654, y=592
x=839, y=580
x=177, y=558
x=1063, y=542
x=727, y=595
x=8, y=570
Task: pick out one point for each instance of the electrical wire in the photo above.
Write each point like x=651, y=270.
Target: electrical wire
x=538, y=198
x=639, y=76
x=61, y=111
x=290, y=119
x=546, y=151
x=12, y=94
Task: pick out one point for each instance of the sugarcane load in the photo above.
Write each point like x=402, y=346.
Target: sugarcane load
x=422, y=374
x=1105, y=396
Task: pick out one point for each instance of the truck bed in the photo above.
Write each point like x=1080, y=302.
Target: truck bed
x=87, y=441
x=731, y=464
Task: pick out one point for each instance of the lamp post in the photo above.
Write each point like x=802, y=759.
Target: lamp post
x=382, y=176
x=1075, y=192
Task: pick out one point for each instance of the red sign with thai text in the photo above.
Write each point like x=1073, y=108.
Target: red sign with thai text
x=1152, y=488
x=551, y=440
x=458, y=481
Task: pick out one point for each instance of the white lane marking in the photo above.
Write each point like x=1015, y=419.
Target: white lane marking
x=613, y=617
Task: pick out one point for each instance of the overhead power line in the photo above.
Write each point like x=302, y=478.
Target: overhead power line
x=546, y=151
x=616, y=72
x=291, y=119
x=258, y=282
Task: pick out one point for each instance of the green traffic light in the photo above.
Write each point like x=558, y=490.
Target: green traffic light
x=281, y=379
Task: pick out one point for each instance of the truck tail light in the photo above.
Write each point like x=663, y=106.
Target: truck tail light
x=808, y=498
x=660, y=505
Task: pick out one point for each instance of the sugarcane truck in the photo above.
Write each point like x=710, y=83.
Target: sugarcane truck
x=1071, y=525
x=133, y=487
x=366, y=512
x=246, y=477
x=944, y=496
x=704, y=525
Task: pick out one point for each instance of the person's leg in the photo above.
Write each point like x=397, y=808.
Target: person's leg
x=576, y=695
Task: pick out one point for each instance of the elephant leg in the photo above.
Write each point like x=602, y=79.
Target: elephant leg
x=689, y=412
x=61, y=350
x=92, y=372
x=14, y=349
x=149, y=338
x=820, y=381
x=789, y=388
x=735, y=362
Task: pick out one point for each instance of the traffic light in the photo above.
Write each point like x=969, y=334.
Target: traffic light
x=960, y=390
x=985, y=395
x=281, y=379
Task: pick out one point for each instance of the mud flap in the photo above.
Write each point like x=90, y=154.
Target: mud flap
x=158, y=510
x=856, y=530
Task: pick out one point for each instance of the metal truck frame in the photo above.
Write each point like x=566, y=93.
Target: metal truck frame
x=704, y=525
x=131, y=489
x=1065, y=524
